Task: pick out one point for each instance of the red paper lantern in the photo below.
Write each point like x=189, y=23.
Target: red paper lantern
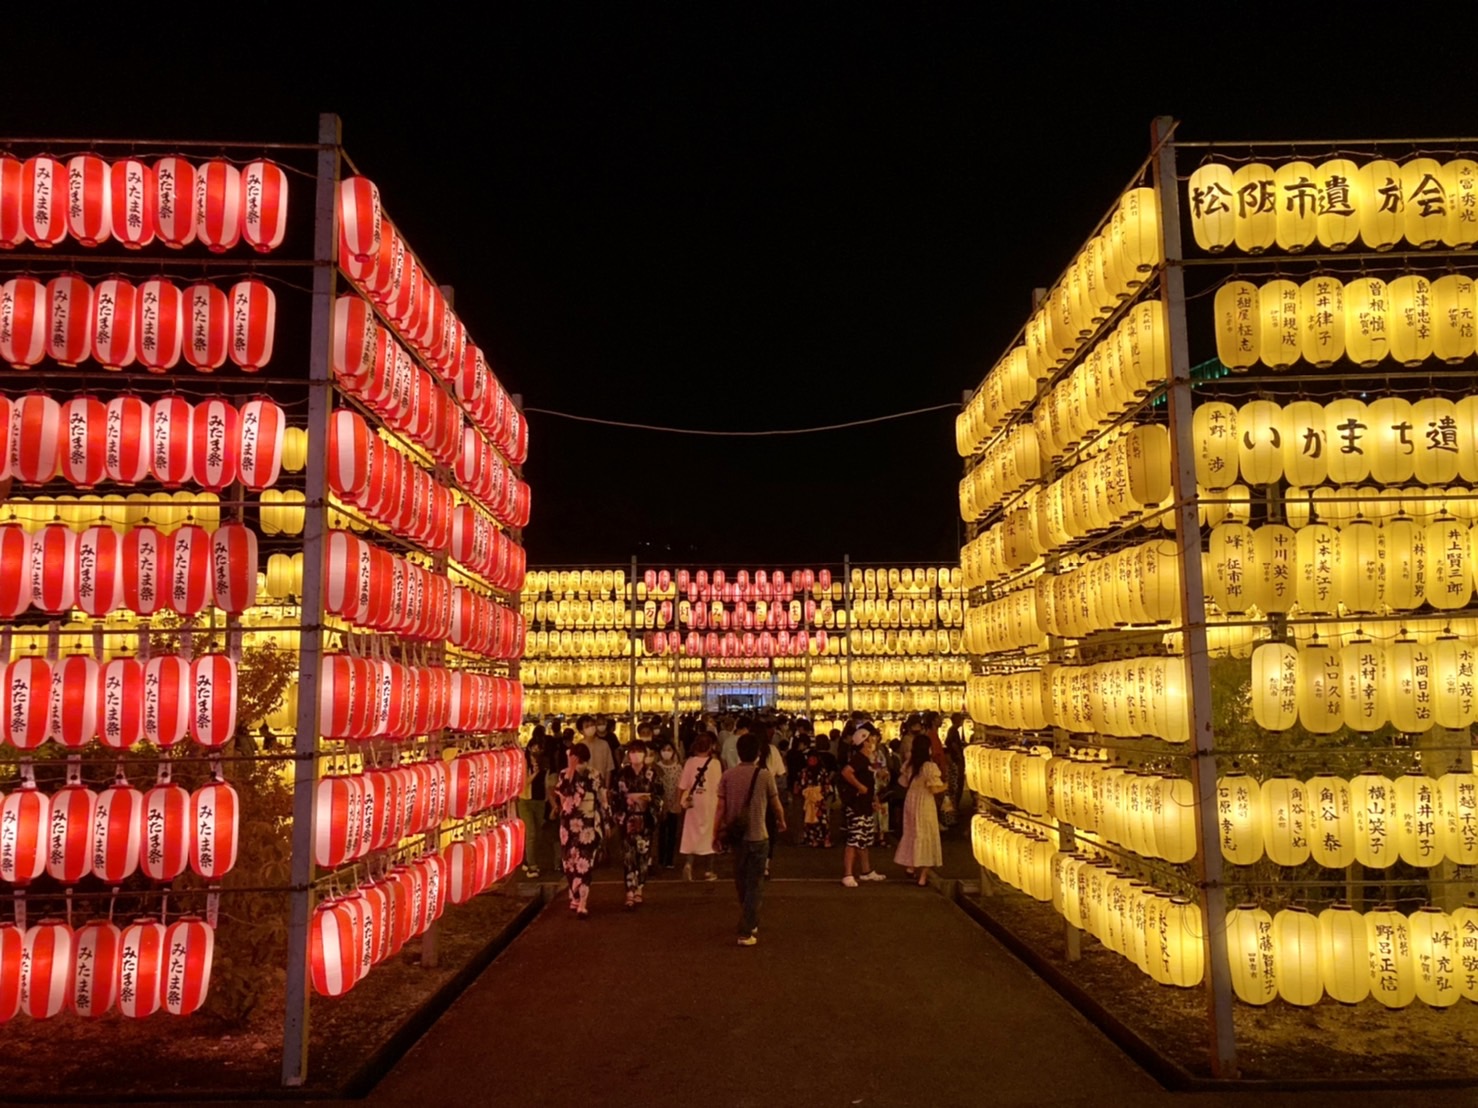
x=166, y=699
x=263, y=427
x=215, y=812
x=69, y=847
x=23, y=322
x=433, y=869
x=121, y=703
x=126, y=439
x=234, y=557
x=96, y=949
x=69, y=319
x=335, y=945
x=54, y=568
x=218, y=206
x=174, y=208
x=404, y=308
x=253, y=323
x=89, y=199
x=359, y=218
x=15, y=570
x=117, y=832
x=264, y=205
x=72, y=711
x=159, y=325
x=141, y=962
x=170, y=441
x=147, y=566
x=47, y=969
x=339, y=826
x=5, y=413
x=25, y=817
x=213, y=685
x=190, y=946
x=384, y=273
x=462, y=875
x=358, y=342
x=12, y=233
x=114, y=314
x=378, y=924
x=99, y=573
x=190, y=570
x=12, y=955
x=207, y=326
x=135, y=203
x=167, y=827
x=215, y=439
x=347, y=576
x=84, y=422
x=43, y=200
x=349, y=449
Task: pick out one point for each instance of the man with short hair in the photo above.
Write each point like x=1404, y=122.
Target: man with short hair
x=748, y=791
x=728, y=739
x=602, y=764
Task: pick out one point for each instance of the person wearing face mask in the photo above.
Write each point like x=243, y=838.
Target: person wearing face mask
x=579, y=828
x=635, y=800
x=670, y=822
x=602, y=764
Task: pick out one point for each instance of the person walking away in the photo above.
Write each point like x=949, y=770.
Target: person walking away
x=815, y=790
x=773, y=761
x=670, y=821
x=727, y=737
x=699, y=801
x=532, y=800
x=747, y=795
x=954, y=774
x=635, y=801
x=947, y=812
x=859, y=804
x=579, y=826
x=920, y=850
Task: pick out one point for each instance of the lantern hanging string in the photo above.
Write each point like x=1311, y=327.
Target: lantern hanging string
x=954, y=407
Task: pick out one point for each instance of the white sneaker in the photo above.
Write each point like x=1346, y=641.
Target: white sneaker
x=849, y=881
x=874, y=875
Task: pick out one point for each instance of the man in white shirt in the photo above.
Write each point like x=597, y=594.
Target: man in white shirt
x=602, y=765
x=728, y=739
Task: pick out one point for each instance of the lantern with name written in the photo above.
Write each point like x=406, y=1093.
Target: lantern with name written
x=141, y=966
x=189, y=945
x=1388, y=949
x=1250, y=949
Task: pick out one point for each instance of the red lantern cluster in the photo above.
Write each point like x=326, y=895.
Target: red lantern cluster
x=386, y=485
x=734, y=644
x=477, y=544
x=483, y=779
x=474, y=865
x=155, y=324
x=363, y=698
x=481, y=703
x=373, y=588
x=358, y=814
x=483, y=626
x=484, y=473
x=44, y=201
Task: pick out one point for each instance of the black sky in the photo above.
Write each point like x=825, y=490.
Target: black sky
x=733, y=218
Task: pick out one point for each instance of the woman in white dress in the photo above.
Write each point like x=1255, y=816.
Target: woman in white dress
x=699, y=791
x=919, y=850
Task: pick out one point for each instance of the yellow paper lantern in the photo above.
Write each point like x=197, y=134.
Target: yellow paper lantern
x=1317, y=560
x=1306, y=443
x=1239, y=816
x=1424, y=223
x=1405, y=564
x=1449, y=577
x=1273, y=568
x=1238, y=324
x=1319, y=689
x=1367, y=321
x=1331, y=821
x=1454, y=311
x=1183, y=943
x=1459, y=791
x=1380, y=203
x=1338, y=222
x=294, y=449
x=1411, y=319
x=1250, y=951
x=1365, y=703
x=1321, y=310
x=1256, y=224
x=1214, y=427
x=1230, y=551
x=1373, y=802
x=1437, y=434
x=1435, y=957
x=1298, y=206
x=1410, y=685
x=1358, y=566
x=1285, y=821
x=1260, y=442
x=1346, y=429
x=1298, y=506
x=1391, y=440
x=1344, y=964
x=1212, y=197
x=1421, y=834
x=1275, y=686
x=1388, y=946
x=1459, y=180
x=291, y=512
x=1296, y=950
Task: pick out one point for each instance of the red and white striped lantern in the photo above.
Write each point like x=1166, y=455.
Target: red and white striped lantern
x=215, y=439
x=359, y=218
x=402, y=306
x=262, y=430
x=114, y=315
x=117, y=832
x=215, y=813
x=5, y=413
x=174, y=208
x=89, y=199
x=72, y=710
x=335, y=944
x=234, y=559
x=141, y=965
x=253, y=324
x=147, y=567
x=159, y=325
x=26, y=684
x=84, y=449
x=23, y=322
x=134, y=197
x=190, y=945
x=170, y=428
x=433, y=878
x=126, y=439
x=350, y=444
x=462, y=872
x=54, y=568
x=347, y=576
x=95, y=949
x=359, y=343
x=68, y=319
x=167, y=829
x=46, y=969
x=12, y=233
x=213, y=693
x=218, y=205
x=190, y=570
x=99, y=571
x=25, y=818
x=379, y=796
x=69, y=845
x=121, y=703
x=345, y=698
x=339, y=826
x=264, y=205
x=43, y=200
x=15, y=570
x=12, y=955
x=207, y=326
x=382, y=283
x=166, y=699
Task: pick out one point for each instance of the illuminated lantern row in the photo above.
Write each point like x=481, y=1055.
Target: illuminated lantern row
x=1013, y=776
x=1117, y=484
x=482, y=779
x=1337, y=203
x=713, y=615
x=474, y=865
x=880, y=581
x=736, y=644
x=483, y=626
x=1128, y=699
x=1365, y=685
x=86, y=440
x=1022, y=860
x=607, y=582
x=76, y=700
x=1381, y=954
x=477, y=544
x=480, y=470
x=388, y=486
x=1390, y=441
x=361, y=813
x=373, y=588
x=1110, y=269
x=134, y=202
x=1149, y=813
x=578, y=644
x=365, y=698
x=154, y=324
x=144, y=570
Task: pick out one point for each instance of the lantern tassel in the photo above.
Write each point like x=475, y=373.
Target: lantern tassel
x=20, y=908
x=213, y=906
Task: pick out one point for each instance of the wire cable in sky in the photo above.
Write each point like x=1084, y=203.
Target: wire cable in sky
x=744, y=434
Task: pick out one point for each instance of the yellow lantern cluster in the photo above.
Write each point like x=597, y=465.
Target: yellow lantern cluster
x=598, y=584
x=1017, y=701
x=1124, y=699
x=165, y=511
x=904, y=581
x=1337, y=203
x=871, y=641
x=1021, y=859
x=1008, y=464
x=927, y=670
x=1149, y=813
x=908, y=612
x=1017, y=777
x=1008, y=387
x=577, y=644
x=1135, y=586
x=578, y=613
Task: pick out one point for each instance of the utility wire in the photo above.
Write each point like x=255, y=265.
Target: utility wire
x=744, y=434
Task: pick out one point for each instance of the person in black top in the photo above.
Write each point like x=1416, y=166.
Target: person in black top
x=533, y=801
x=859, y=805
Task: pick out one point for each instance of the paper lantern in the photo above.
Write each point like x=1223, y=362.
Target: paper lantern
x=1379, y=201
x=359, y=218
x=1448, y=582
x=72, y=711
x=36, y=438
x=175, y=206
x=1459, y=793
x=1435, y=957
x=134, y=197
x=190, y=570
x=54, y=568
x=1285, y=821
x=261, y=432
x=1215, y=430
x=338, y=828
x=114, y=314
x=47, y=969
x=1344, y=963
x=159, y=325
x=1306, y=443
x=1331, y=822
x=126, y=439
x=25, y=819
x=1365, y=700
x=146, y=561
x=264, y=205
x=1321, y=313
x=1232, y=568
x=1212, y=191
x=69, y=314
x=141, y=969
x=215, y=440
x=207, y=317
x=1239, y=814
x=1367, y=321
x=1436, y=434
x=253, y=324
x=335, y=941
x=1320, y=687
x=1411, y=686
x=1297, y=213
x=1422, y=825
x=167, y=825
x=1337, y=224
x=121, y=703
x=117, y=832
x=234, y=558
x=23, y=322
x=1273, y=568
x=1297, y=970
x=43, y=187
x=69, y=839
x=1251, y=952
x=1238, y=335
x=1410, y=317
x=189, y=943
x=1454, y=308
x=218, y=206
x=15, y=570
x=1373, y=802
x=1182, y=944
x=84, y=427
x=213, y=700
x=99, y=571
x=167, y=699
x=96, y=949
x=1388, y=948
x=12, y=234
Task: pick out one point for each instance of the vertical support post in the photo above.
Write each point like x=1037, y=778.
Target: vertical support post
x=310, y=638
x=1223, y=1043
x=847, y=638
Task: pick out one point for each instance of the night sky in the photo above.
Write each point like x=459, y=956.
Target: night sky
x=773, y=218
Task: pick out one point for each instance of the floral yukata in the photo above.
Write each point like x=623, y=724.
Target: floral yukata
x=579, y=833
x=816, y=790
x=636, y=800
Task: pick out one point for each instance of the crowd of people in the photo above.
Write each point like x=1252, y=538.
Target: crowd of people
x=735, y=784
